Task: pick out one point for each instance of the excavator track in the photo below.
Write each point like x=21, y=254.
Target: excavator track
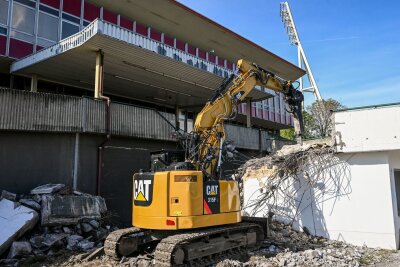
x=204, y=247
x=113, y=240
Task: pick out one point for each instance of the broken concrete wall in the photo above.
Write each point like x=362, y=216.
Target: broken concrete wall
x=15, y=220
x=357, y=208
x=68, y=210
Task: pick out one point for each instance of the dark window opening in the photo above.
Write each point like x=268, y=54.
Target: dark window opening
x=397, y=186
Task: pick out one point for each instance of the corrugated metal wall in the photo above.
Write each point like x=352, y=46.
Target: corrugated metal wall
x=27, y=111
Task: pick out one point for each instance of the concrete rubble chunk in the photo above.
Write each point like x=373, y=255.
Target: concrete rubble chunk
x=85, y=245
x=14, y=222
x=73, y=241
x=37, y=241
x=8, y=195
x=94, y=223
x=30, y=203
x=86, y=227
x=47, y=189
x=70, y=210
x=19, y=249
x=54, y=239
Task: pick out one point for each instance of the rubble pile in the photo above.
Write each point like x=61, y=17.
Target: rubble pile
x=51, y=218
x=287, y=247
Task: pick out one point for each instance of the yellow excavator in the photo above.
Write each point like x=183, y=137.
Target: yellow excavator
x=187, y=213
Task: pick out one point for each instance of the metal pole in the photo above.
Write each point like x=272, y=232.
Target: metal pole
x=76, y=163
x=98, y=85
x=248, y=112
x=34, y=83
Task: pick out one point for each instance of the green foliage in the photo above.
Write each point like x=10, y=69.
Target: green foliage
x=287, y=133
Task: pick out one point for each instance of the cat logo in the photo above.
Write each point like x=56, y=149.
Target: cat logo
x=212, y=190
x=143, y=190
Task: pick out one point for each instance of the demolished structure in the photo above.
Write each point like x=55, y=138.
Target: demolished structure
x=49, y=219
x=346, y=188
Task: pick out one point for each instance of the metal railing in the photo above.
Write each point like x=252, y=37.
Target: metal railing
x=99, y=26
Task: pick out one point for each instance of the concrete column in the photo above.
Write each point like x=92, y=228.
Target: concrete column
x=76, y=163
x=248, y=112
x=34, y=83
x=177, y=117
x=99, y=76
x=186, y=122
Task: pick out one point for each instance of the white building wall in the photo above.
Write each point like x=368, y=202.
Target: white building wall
x=363, y=216
x=368, y=129
x=394, y=164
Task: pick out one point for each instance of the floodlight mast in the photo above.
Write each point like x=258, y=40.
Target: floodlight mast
x=290, y=27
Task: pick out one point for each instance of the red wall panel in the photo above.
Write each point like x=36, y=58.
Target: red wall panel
x=110, y=16
x=3, y=44
x=202, y=53
x=126, y=23
x=271, y=116
x=221, y=62
x=168, y=40
x=38, y=48
x=191, y=50
x=20, y=49
x=180, y=45
x=91, y=12
x=141, y=29
x=265, y=114
x=52, y=3
x=72, y=7
x=229, y=65
x=155, y=35
x=211, y=58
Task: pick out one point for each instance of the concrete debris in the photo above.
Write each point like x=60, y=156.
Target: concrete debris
x=86, y=227
x=70, y=210
x=73, y=241
x=85, y=245
x=72, y=222
x=30, y=203
x=95, y=224
x=95, y=254
x=47, y=189
x=15, y=221
x=54, y=240
x=19, y=249
x=287, y=247
x=7, y=195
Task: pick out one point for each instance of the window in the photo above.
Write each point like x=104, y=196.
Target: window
x=69, y=29
x=23, y=18
x=48, y=26
x=3, y=12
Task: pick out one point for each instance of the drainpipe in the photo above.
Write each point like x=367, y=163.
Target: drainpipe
x=99, y=87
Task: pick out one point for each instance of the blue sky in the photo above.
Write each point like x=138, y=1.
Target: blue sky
x=353, y=46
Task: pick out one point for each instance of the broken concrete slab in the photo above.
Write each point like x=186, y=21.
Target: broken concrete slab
x=8, y=195
x=19, y=249
x=85, y=245
x=69, y=210
x=95, y=224
x=30, y=203
x=73, y=241
x=54, y=239
x=47, y=189
x=14, y=222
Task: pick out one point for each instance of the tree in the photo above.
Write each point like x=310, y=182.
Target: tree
x=287, y=133
x=318, y=118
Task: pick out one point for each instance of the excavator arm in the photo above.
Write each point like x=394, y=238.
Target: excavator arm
x=209, y=134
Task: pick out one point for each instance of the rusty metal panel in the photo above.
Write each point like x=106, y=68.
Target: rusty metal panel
x=22, y=110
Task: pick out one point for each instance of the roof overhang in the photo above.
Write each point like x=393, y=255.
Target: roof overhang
x=133, y=67
x=177, y=20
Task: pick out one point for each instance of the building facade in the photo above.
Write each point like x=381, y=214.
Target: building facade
x=160, y=64
x=362, y=206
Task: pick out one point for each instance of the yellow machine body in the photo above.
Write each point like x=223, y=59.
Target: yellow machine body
x=172, y=200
